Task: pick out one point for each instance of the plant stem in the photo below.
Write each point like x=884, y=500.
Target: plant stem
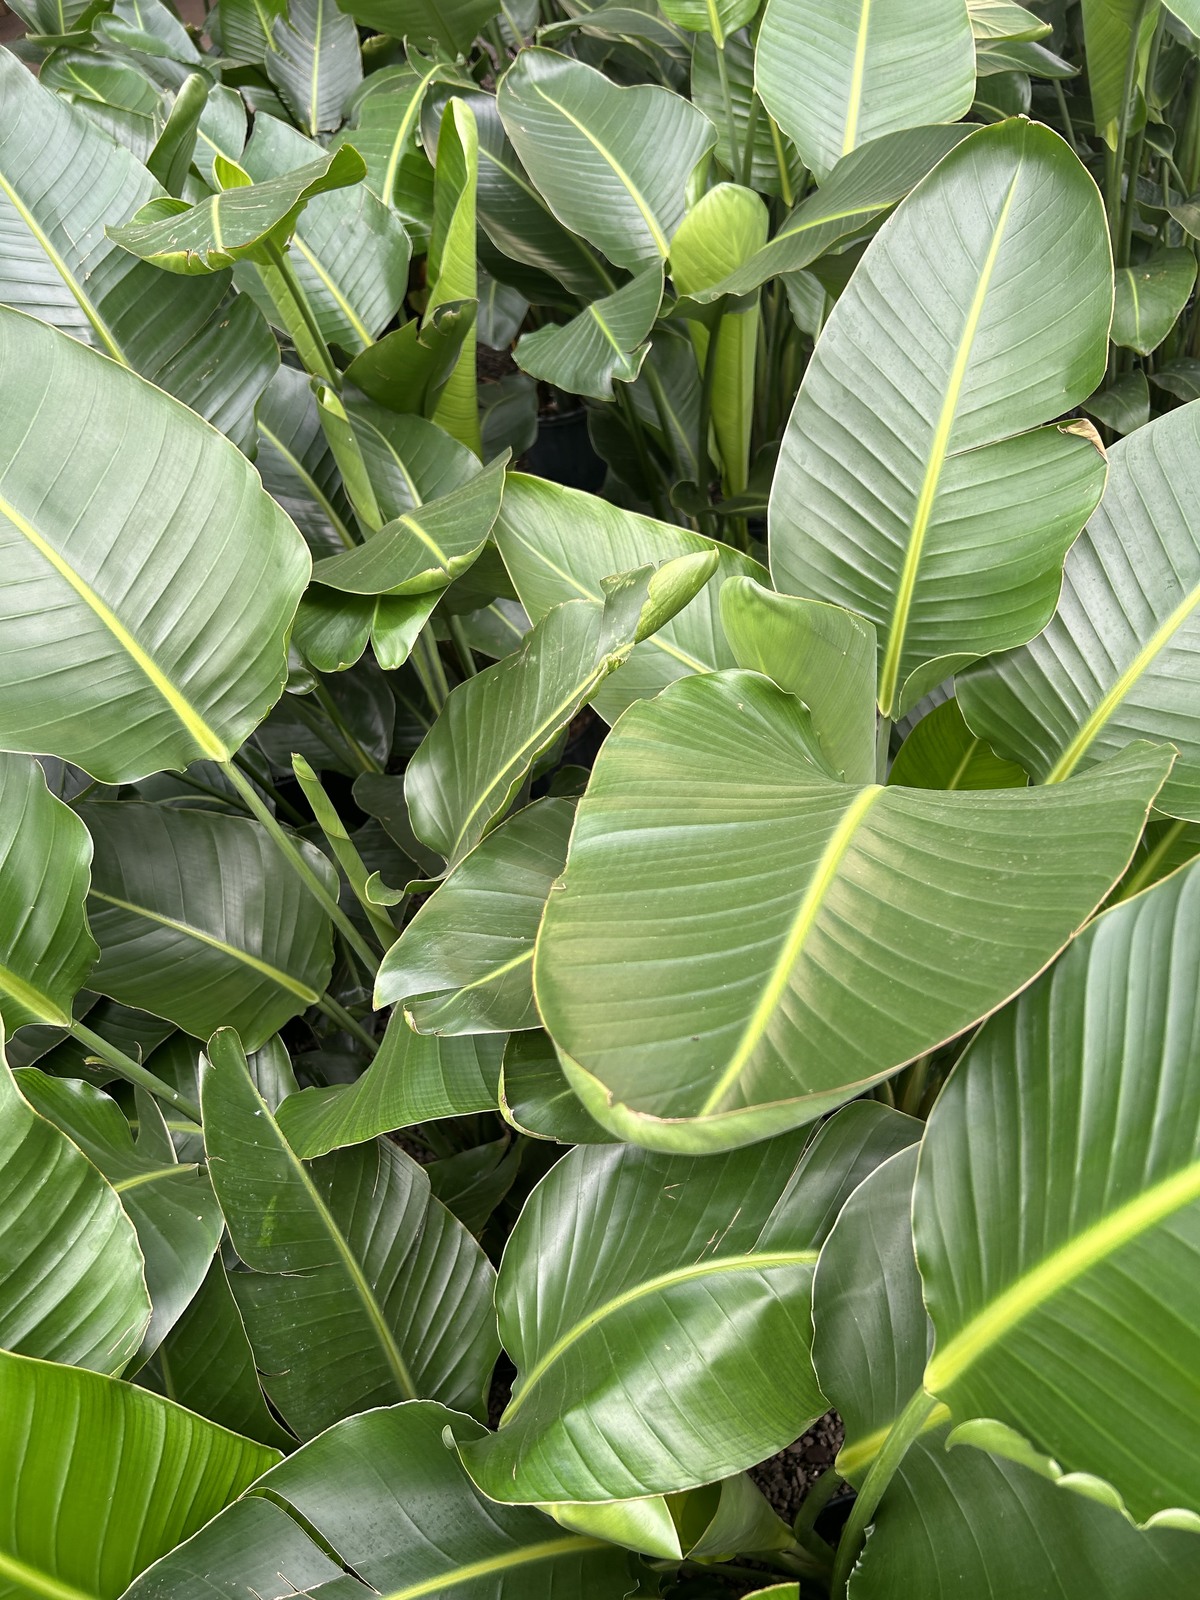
x=314, y=343
x=904, y=1430
x=815, y=1501
x=281, y=803
x=911, y=1085
x=1129, y=211
x=295, y=859
x=748, y=148
x=1068, y=127
x=133, y=1071
x=338, y=1013
x=730, y=122
x=634, y=423
x=883, y=742
x=329, y=706
x=432, y=674
x=354, y=869
x=1145, y=873
x=466, y=655
x=1116, y=168
x=785, y=179
x=703, y=455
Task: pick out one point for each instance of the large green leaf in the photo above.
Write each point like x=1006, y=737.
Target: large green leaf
x=146, y=608
x=316, y=64
x=452, y=24
x=741, y=943
x=362, y=1287
x=835, y=73
x=941, y=752
x=1114, y=33
x=414, y=1078
x=1058, y=1249
x=199, y=920
x=1121, y=657
x=470, y=765
x=914, y=484
x=46, y=951
x=297, y=466
x=391, y=1501
x=171, y=1204
x=451, y=265
x=645, y=1300
x=604, y=344
x=775, y=164
x=535, y=1097
x=1150, y=298
x=559, y=544
x=98, y=1479
x=612, y=163
x=954, y=1524
x=61, y=181
x=464, y=963
x=73, y=1288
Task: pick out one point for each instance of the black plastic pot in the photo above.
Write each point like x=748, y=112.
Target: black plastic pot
x=563, y=452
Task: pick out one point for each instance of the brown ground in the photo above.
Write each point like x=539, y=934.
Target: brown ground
x=786, y=1478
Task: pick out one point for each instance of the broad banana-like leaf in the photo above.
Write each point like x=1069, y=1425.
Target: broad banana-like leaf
x=612, y=163
x=390, y=1500
x=362, y=1288
x=451, y=263
x=1114, y=31
x=297, y=466
x=711, y=1523
x=464, y=964
x=243, y=28
x=655, y=1368
x=61, y=181
x=1150, y=298
x=171, y=159
x=559, y=544
x=46, y=951
x=942, y=753
x=822, y=654
x=146, y=613
x=409, y=368
x=199, y=920
x=740, y=942
x=1165, y=846
x=1121, y=658
x=453, y=24
x=716, y=17
x=835, y=73
x=775, y=164
x=408, y=460
x=73, y=1288
x=422, y=550
x=99, y=1478
x=316, y=64
x=222, y=130
x=470, y=765
x=349, y=251
x=1002, y=1530
x=915, y=484
x=243, y=223
x=535, y=1097
x=171, y=1205
x=387, y=117
x=1067, y=1306
x=414, y=1078
x=205, y=1363
x=1003, y=19
x=604, y=344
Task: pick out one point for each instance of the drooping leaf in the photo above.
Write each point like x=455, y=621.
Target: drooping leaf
x=1150, y=297
x=361, y=1286
x=1065, y=1308
x=464, y=964
x=1120, y=659
x=199, y=919
x=61, y=181
x=316, y=64
x=244, y=28
x=741, y=943
x=650, y=1369
x=253, y=1547
x=1113, y=32
x=612, y=163
x=1004, y=19
x=1123, y=406
x=603, y=344
x=73, y=1288
x=835, y=73
x=535, y=1097
x=451, y=262
x=559, y=544
x=98, y=1479
x=171, y=158
x=453, y=24
x=297, y=466
x=915, y=484
x=942, y=753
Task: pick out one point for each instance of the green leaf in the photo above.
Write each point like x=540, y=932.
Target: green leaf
x=942, y=753
x=387, y=120
x=46, y=951
x=535, y=1097
x=724, y=898
x=199, y=920
x=711, y=1523
x=468, y=768
x=836, y=73
x=424, y=549
x=253, y=1548
x=61, y=180
x=775, y=165
x=612, y=163
x=646, y=1370
x=1113, y=32
x=297, y=466
x=915, y=484
x=172, y=1206
x=112, y=658
x=822, y=654
x=1004, y=19
x=171, y=159
x=464, y=964
x=1123, y=406
x=1121, y=657
x=453, y=24
x=1150, y=297
x=316, y=64
x=414, y=1078
x=102, y=1479
x=245, y=223
x=73, y=1287
x=1066, y=1309
x=558, y=544
x=719, y=18
x=392, y=1502
x=361, y=1286
x=244, y=28
x=605, y=342
x=451, y=262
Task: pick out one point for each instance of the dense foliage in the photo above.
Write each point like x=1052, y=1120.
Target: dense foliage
x=600, y=709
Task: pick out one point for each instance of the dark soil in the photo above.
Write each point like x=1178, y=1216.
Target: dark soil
x=786, y=1478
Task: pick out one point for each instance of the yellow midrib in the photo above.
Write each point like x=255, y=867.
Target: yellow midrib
x=527, y=1556
x=154, y=1176
x=1060, y=1269
x=857, y=75
x=855, y=1458
x=813, y=899
x=402, y=132
x=37, y=1582
x=889, y=673
x=32, y=999
x=761, y=1261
